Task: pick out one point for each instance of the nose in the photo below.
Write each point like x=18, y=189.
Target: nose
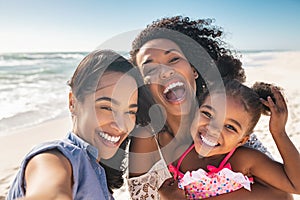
x=119, y=124
x=214, y=129
x=166, y=72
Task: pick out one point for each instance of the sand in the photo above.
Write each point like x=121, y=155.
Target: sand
x=284, y=70
x=15, y=146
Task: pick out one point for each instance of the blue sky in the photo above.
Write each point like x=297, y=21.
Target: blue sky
x=74, y=25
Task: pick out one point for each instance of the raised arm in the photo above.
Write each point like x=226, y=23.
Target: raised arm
x=282, y=176
x=285, y=177
x=48, y=176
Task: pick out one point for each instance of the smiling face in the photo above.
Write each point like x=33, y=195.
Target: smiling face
x=105, y=118
x=170, y=76
x=217, y=132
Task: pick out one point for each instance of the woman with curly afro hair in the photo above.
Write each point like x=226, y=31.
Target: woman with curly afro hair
x=179, y=59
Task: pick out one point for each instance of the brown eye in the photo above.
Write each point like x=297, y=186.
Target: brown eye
x=106, y=108
x=132, y=112
x=207, y=114
x=230, y=127
x=174, y=60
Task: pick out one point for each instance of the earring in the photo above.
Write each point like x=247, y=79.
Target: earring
x=147, y=80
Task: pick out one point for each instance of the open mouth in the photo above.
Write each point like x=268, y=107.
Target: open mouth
x=174, y=92
x=109, y=138
x=209, y=142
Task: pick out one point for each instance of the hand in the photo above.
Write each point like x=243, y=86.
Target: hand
x=170, y=190
x=279, y=112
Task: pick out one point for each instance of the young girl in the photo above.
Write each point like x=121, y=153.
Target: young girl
x=217, y=163
x=88, y=163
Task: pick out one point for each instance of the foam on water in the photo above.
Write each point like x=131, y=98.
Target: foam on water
x=33, y=87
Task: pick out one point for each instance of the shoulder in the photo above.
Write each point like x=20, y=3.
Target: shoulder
x=50, y=158
x=50, y=169
x=48, y=153
x=247, y=153
x=245, y=157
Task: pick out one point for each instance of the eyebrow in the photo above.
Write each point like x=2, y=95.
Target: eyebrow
x=170, y=50
x=209, y=107
x=113, y=101
x=166, y=52
x=236, y=123
x=232, y=120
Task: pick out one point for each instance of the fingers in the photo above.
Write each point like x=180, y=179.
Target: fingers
x=169, y=182
x=280, y=101
x=263, y=101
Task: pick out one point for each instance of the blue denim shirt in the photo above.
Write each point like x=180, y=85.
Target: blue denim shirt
x=88, y=176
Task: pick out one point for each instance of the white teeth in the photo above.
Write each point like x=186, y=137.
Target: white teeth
x=208, y=142
x=110, y=138
x=173, y=85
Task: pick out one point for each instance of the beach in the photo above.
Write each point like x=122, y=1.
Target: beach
x=280, y=68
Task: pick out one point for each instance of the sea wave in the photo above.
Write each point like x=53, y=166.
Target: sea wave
x=33, y=87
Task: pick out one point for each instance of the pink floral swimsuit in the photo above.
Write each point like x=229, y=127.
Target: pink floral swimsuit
x=200, y=184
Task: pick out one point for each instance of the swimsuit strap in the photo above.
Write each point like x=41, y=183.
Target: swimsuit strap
x=158, y=148
x=224, y=161
x=183, y=156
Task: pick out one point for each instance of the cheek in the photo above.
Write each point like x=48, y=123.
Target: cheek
x=103, y=117
x=195, y=125
x=187, y=72
x=131, y=123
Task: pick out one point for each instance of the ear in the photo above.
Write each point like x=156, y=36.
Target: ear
x=196, y=75
x=72, y=103
x=244, y=140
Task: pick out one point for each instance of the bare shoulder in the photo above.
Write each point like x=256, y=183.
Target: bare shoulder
x=244, y=158
x=49, y=158
x=243, y=151
x=50, y=169
x=49, y=161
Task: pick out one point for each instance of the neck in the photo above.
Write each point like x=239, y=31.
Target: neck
x=177, y=124
x=177, y=136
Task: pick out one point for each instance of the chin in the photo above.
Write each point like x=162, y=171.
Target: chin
x=108, y=153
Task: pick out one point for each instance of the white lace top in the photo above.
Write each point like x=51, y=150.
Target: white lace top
x=146, y=186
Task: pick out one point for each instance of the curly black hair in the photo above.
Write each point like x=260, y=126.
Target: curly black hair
x=205, y=34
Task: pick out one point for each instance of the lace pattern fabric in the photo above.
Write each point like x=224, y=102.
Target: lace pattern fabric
x=146, y=186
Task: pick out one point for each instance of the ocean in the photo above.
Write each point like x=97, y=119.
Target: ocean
x=33, y=86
